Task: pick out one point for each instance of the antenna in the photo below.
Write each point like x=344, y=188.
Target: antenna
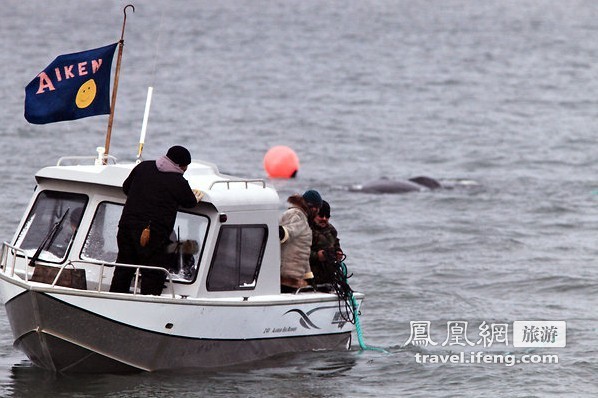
x=148, y=103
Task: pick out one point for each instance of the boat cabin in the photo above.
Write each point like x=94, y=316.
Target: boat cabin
x=227, y=246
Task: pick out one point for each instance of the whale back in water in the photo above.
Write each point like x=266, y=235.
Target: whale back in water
x=421, y=183
x=426, y=182
x=385, y=185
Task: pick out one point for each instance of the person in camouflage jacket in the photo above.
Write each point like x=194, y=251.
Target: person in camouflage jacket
x=325, y=248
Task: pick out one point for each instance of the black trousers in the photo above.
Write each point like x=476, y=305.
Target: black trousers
x=130, y=251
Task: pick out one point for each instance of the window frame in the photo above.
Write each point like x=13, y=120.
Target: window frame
x=260, y=257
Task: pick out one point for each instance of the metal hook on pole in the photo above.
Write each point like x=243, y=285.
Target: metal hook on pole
x=115, y=86
x=122, y=35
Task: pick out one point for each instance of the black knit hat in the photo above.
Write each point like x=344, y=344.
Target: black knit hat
x=313, y=197
x=324, y=210
x=179, y=155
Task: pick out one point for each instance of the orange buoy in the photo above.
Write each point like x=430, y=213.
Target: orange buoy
x=281, y=162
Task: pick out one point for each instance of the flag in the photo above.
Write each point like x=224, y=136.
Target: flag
x=73, y=86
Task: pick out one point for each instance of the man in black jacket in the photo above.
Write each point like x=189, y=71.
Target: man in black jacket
x=155, y=190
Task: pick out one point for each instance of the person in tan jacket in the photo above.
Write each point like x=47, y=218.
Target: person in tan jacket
x=295, y=239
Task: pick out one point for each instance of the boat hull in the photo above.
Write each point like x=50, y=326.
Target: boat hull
x=61, y=337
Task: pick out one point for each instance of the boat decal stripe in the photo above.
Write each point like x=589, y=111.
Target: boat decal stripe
x=304, y=321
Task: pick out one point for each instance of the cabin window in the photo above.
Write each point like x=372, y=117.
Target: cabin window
x=100, y=243
x=51, y=225
x=237, y=257
x=187, y=245
x=184, y=252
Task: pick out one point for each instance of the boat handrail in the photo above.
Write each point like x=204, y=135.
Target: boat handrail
x=4, y=258
x=246, y=182
x=93, y=158
x=305, y=289
x=137, y=267
x=13, y=250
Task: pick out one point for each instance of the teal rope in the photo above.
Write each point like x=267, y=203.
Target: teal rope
x=360, y=339
x=355, y=306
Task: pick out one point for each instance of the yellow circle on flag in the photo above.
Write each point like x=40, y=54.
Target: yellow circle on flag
x=86, y=94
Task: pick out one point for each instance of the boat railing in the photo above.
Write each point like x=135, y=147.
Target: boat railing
x=10, y=253
x=246, y=182
x=7, y=249
x=78, y=159
x=137, y=268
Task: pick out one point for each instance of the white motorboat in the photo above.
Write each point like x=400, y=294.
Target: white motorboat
x=221, y=304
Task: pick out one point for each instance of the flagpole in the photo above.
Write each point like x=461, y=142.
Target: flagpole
x=115, y=86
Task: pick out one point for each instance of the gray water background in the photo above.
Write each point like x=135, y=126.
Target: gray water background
x=504, y=93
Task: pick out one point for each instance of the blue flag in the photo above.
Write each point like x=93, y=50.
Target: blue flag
x=73, y=86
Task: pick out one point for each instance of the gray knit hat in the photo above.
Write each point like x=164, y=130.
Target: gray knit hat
x=313, y=197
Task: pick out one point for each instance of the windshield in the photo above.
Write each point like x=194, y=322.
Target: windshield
x=100, y=243
x=51, y=225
